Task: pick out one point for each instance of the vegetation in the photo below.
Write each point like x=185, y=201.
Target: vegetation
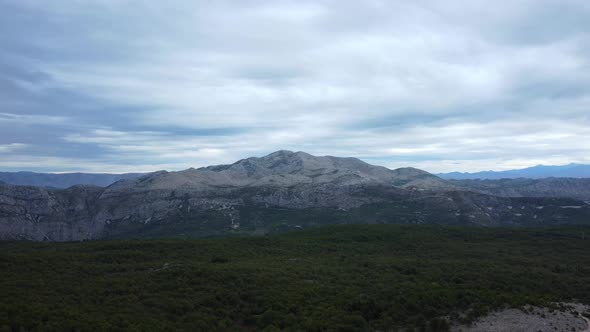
x=346, y=278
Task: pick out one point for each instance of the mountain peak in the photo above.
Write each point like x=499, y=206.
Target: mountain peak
x=286, y=168
x=279, y=153
x=288, y=152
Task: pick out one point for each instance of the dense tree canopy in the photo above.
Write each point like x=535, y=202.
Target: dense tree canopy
x=355, y=277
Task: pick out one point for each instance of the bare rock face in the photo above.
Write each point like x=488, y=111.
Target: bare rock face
x=530, y=318
x=283, y=190
x=42, y=214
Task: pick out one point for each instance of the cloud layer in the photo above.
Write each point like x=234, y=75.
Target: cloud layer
x=119, y=86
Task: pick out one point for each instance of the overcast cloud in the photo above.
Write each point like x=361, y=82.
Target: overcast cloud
x=117, y=86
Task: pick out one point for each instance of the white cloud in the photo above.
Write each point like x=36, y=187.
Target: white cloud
x=30, y=119
x=469, y=146
x=5, y=148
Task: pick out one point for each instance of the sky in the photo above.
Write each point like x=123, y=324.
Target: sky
x=138, y=86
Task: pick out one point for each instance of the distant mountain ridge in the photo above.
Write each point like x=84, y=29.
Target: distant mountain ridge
x=63, y=180
x=577, y=188
x=536, y=172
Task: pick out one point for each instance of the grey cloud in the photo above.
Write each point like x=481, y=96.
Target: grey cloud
x=397, y=82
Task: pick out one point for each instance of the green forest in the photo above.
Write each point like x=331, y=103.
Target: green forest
x=335, y=278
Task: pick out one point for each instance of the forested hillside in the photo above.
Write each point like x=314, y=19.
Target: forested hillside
x=339, y=277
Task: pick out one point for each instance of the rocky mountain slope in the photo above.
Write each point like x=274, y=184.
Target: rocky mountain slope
x=63, y=180
x=284, y=190
x=284, y=169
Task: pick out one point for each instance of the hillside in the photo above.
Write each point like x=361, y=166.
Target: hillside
x=353, y=278
x=521, y=187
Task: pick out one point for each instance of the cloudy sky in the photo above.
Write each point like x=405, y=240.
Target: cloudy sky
x=117, y=86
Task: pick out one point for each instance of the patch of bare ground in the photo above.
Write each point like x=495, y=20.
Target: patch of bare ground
x=570, y=317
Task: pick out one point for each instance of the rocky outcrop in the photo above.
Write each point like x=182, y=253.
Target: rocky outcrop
x=565, y=317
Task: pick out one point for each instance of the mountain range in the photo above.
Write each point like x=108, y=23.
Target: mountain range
x=535, y=172
x=281, y=191
x=64, y=180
